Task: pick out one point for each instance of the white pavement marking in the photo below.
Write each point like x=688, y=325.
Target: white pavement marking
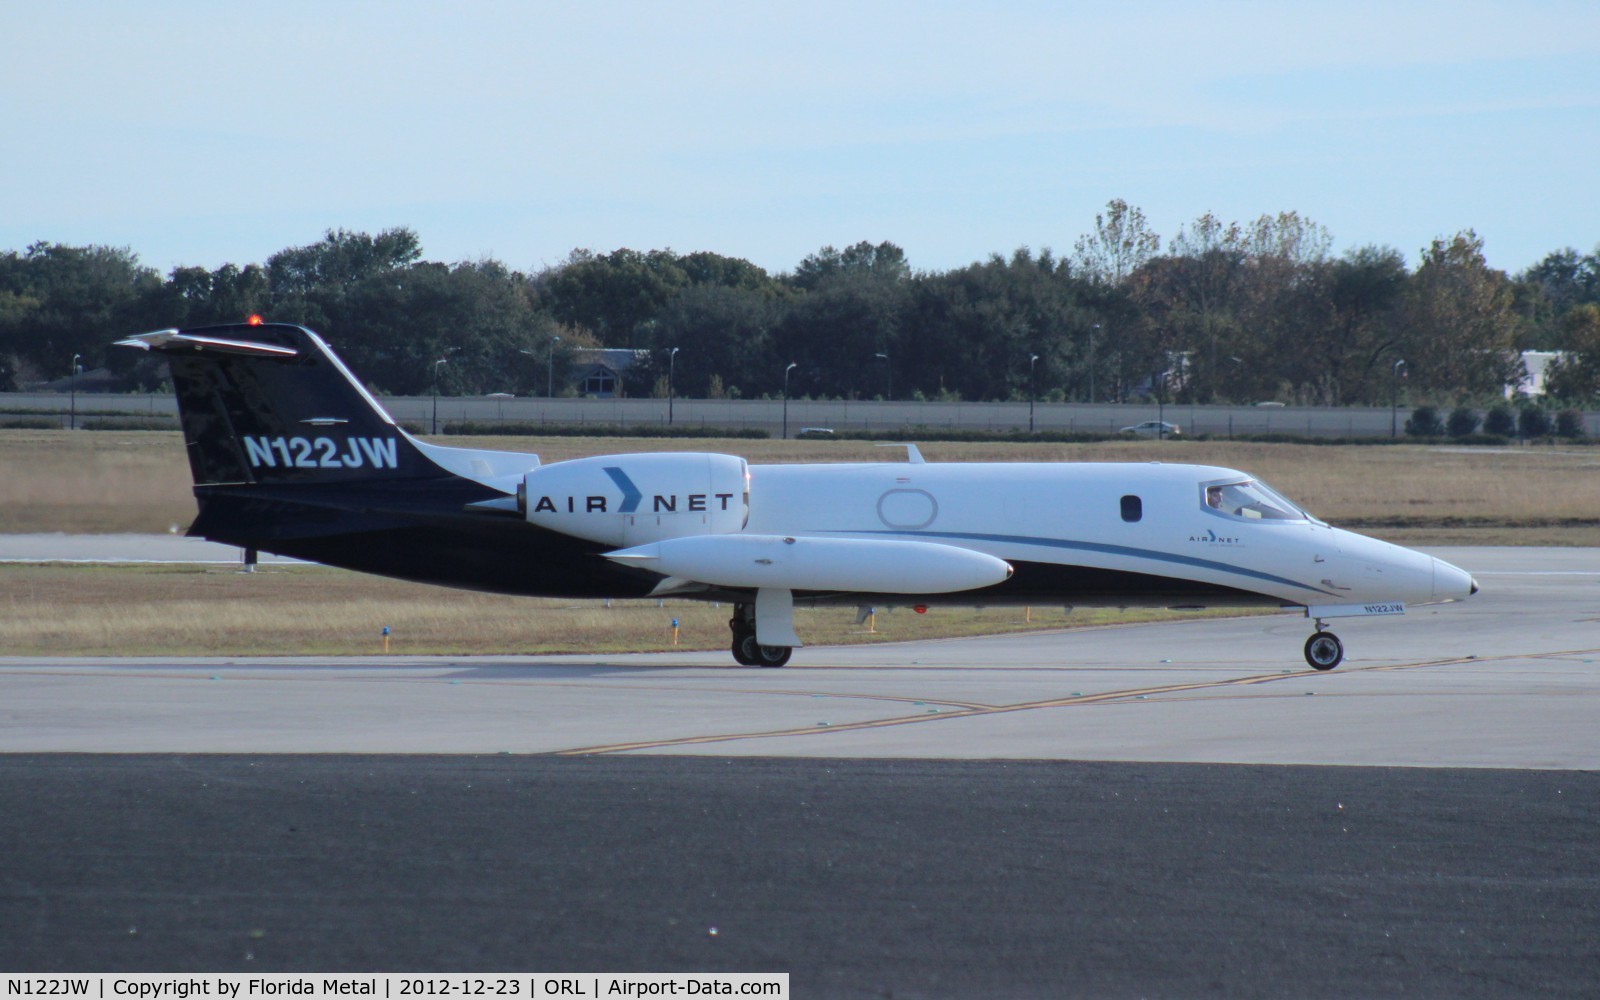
x=121, y=548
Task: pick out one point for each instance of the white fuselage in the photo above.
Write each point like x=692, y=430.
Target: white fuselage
x=1076, y=514
x=1115, y=533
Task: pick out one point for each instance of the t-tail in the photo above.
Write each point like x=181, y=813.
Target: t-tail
x=292, y=455
x=271, y=404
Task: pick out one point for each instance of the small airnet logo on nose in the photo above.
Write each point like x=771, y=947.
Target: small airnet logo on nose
x=321, y=453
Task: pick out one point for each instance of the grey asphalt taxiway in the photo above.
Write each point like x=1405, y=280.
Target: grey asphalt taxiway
x=1510, y=678
x=1118, y=811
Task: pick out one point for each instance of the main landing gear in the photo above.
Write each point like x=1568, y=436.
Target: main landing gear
x=1324, y=651
x=746, y=650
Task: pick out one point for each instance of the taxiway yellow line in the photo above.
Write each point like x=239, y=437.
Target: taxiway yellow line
x=1071, y=700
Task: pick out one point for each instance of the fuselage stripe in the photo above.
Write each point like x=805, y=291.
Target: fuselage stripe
x=1101, y=547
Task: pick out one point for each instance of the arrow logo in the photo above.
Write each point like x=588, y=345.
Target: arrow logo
x=630, y=493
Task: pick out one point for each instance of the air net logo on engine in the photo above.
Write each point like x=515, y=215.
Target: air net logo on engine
x=660, y=504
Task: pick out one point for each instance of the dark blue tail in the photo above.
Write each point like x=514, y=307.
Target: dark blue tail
x=270, y=403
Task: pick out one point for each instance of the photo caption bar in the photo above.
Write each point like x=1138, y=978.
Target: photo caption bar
x=395, y=986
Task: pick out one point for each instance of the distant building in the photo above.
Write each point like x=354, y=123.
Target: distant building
x=597, y=372
x=1536, y=364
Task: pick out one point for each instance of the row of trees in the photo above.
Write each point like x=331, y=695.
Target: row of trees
x=1221, y=312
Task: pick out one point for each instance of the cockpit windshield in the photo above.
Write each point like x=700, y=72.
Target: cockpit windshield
x=1252, y=501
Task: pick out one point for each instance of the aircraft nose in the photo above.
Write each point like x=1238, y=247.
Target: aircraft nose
x=1452, y=583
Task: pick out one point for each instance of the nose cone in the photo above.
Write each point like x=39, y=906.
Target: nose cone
x=1452, y=583
x=1369, y=570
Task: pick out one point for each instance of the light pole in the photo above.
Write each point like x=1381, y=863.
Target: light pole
x=1032, y=360
x=786, y=372
x=72, y=421
x=436, y=365
x=1394, y=399
x=1161, y=406
x=888, y=370
x=1212, y=375
x=672, y=365
x=531, y=354
x=1092, y=330
x=550, y=375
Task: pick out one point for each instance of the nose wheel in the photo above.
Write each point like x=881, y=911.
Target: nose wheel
x=1324, y=650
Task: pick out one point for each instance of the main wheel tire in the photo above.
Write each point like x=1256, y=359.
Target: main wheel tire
x=752, y=653
x=746, y=651
x=1324, y=651
x=774, y=656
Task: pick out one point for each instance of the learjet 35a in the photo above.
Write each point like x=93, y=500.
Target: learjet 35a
x=292, y=455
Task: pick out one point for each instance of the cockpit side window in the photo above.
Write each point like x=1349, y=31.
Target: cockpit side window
x=1250, y=501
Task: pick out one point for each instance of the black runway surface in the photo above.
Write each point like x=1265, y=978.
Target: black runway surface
x=860, y=878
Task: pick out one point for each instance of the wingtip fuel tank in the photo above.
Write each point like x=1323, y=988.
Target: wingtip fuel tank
x=809, y=563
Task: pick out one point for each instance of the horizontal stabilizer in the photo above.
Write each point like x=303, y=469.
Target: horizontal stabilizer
x=172, y=340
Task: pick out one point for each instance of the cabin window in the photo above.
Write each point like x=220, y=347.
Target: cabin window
x=1132, y=508
x=1251, y=501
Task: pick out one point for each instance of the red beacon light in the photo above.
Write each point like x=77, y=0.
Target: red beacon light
x=254, y=320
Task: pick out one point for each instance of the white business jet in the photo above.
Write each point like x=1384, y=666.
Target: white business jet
x=292, y=455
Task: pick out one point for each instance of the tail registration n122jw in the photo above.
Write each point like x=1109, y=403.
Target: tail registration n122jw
x=291, y=455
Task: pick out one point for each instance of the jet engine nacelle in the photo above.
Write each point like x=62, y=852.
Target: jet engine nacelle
x=637, y=499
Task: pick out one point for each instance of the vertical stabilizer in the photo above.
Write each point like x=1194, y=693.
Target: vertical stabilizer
x=270, y=403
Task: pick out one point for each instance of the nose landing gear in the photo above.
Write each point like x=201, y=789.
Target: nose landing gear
x=1324, y=650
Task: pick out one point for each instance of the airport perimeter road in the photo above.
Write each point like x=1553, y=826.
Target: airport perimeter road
x=58, y=547
x=1510, y=678
x=837, y=415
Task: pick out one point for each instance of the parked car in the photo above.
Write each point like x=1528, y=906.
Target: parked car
x=1154, y=428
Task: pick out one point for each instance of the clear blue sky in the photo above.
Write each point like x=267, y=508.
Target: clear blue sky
x=202, y=132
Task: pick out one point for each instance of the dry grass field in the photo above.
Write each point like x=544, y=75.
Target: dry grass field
x=310, y=610
x=109, y=481
x=93, y=481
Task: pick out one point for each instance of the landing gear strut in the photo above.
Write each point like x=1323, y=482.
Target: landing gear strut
x=746, y=650
x=1324, y=651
